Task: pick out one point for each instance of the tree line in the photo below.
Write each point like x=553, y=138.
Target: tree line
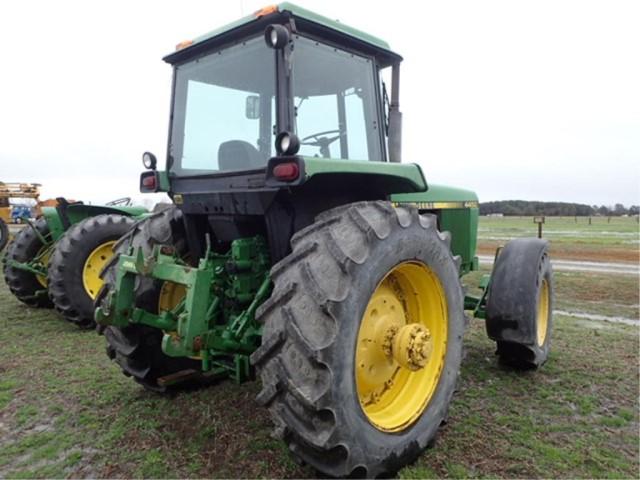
x=528, y=208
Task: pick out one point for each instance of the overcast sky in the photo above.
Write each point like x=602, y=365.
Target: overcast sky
x=536, y=100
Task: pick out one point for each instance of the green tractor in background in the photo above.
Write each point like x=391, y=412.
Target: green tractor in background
x=56, y=260
x=299, y=246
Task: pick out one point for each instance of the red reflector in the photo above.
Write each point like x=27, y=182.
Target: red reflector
x=286, y=171
x=149, y=182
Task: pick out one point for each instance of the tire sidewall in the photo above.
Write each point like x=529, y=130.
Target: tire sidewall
x=513, y=299
x=22, y=249
x=4, y=234
x=75, y=263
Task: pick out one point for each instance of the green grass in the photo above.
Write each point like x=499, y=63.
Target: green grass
x=601, y=231
x=67, y=411
x=614, y=239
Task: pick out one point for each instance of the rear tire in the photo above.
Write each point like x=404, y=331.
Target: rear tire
x=27, y=287
x=137, y=349
x=519, y=314
x=310, y=358
x=73, y=284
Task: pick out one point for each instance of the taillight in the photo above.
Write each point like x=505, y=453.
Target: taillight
x=286, y=171
x=149, y=182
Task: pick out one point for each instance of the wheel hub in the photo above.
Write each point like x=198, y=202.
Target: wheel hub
x=411, y=346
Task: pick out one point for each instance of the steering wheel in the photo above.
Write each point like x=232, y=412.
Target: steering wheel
x=124, y=201
x=321, y=141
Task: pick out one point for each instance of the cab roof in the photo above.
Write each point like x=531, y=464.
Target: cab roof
x=302, y=20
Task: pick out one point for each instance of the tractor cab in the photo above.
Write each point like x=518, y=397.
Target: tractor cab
x=282, y=82
x=274, y=119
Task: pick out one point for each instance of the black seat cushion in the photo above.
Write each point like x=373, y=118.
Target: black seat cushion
x=239, y=155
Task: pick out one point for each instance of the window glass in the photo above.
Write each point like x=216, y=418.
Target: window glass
x=335, y=98
x=356, y=126
x=224, y=110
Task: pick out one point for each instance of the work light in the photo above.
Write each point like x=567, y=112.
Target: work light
x=287, y=143
x=149, y=160
x=276, y=36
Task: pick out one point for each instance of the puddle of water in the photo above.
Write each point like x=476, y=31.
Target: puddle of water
x=583, y=266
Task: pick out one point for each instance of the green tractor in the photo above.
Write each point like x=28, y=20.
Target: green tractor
x=56, y=260
x=301, y=249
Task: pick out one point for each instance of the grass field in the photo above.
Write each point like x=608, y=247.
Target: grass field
x=614, y=239
x=67, y=411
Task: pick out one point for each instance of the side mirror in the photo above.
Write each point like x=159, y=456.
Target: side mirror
x=252, y=107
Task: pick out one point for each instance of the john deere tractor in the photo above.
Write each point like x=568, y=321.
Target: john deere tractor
x=300, y=246
x=56, y=260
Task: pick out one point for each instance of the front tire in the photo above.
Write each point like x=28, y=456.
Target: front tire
x=325, y=352
x=519, y=315
x=77, y=260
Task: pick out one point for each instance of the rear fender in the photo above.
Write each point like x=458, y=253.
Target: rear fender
x=457, y=211
x=60, y=218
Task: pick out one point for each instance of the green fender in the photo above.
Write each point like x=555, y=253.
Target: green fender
x=78, y=212
x=457, y=211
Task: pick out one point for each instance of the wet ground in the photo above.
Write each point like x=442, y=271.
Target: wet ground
x=623, y=268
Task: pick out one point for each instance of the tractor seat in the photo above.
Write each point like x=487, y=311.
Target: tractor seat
x=239, y=155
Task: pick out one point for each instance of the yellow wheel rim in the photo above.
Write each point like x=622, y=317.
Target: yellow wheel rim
x=171, y=294
x=401, y=346
x=44, y=254
x=93, y=266
x=542, y=323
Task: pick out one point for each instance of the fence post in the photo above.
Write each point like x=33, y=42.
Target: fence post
x=539, y=221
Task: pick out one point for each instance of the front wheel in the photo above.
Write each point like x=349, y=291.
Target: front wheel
x=362, y=339
x=520, y=303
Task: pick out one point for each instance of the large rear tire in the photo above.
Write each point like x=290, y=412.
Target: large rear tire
x=137, y=348
x=519, y=315
x=28, y=287
x=77, y=261
x=362, y=339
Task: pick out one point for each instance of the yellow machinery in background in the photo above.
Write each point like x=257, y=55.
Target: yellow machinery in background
x=17, y=190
